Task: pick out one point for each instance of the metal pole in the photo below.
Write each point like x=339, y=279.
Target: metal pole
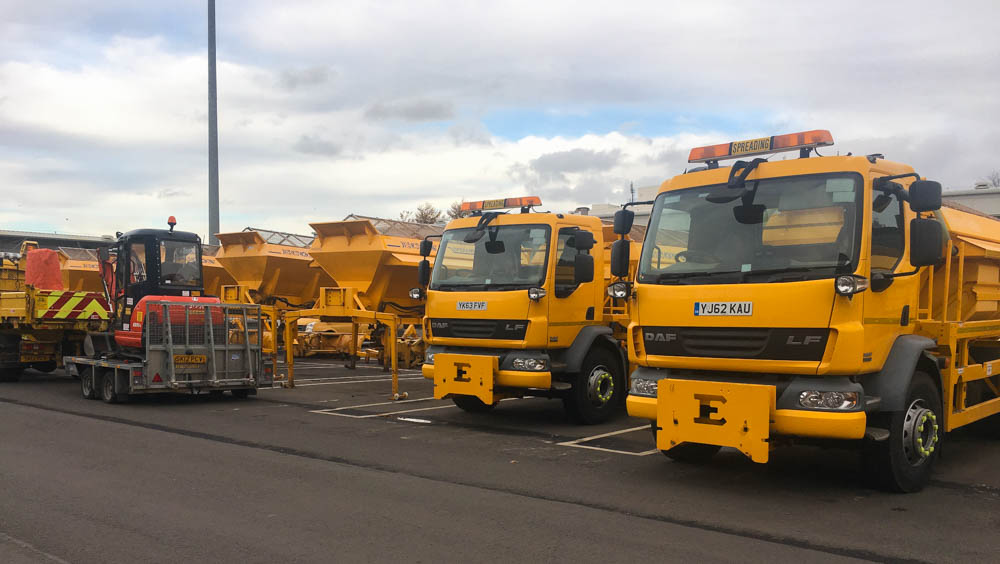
x=213, y=133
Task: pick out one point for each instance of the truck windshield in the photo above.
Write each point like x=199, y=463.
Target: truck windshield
x=771, y=230
x=179, y=263
x=505, y=257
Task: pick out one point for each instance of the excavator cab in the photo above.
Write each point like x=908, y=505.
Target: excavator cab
x=157, y=262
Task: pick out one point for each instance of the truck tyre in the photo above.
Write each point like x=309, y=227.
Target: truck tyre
x=472, y=404
x=597, y=389
x=241, y=393
x=10, y=374
x=903, y=462
x=691, y=453
x=108, y=393
x=87, y=382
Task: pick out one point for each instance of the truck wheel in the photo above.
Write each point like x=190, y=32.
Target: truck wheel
x=472, y=404
x=10, y=374
x=108, y=387
x=597, y=389
x=692, y=453
x=87, y=383
x=241, y=393
x=904, y=461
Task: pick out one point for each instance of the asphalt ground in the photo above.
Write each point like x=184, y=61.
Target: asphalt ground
x=333, y=470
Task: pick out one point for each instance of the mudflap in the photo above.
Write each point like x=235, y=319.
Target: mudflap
x=465, y=375
x=715, y=413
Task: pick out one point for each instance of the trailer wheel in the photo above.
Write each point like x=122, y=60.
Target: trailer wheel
x=597, y=390
x=10, y=374
x=241, y=393
x=472, y=404
x=87, y=383
x=903, y=462
x=108, y=387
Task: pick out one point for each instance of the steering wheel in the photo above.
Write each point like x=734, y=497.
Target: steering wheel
x=695, y=256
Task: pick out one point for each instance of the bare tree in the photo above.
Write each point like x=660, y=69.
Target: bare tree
x=455, y=210
x=993, y=179
x=425, y=213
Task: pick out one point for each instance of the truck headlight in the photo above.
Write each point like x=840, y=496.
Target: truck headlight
x=428, y=358
x=536, y=293
x=530, y=364
x=850, y=285
x=618, y=290
x=815, y=399
x=645, y=387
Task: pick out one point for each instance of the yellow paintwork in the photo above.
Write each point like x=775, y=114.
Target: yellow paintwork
x=464, y=375
x=382, y=268
x=954, y=305
x=552, y=322
x=271, y=271
x=214, y=276
x=715, y=413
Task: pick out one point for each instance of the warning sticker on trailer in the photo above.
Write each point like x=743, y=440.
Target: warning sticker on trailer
x=723, y=308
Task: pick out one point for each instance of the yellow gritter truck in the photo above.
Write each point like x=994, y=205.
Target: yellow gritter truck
x=514, y=309
x=813, y=298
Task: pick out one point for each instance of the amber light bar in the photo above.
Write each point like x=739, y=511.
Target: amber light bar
x=502, y=204
x=762, y=146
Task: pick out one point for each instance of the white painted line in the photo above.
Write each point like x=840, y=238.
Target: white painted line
x=371, y=415
x=611, y=450
x=413, y=420
x=602, y=435
x=356, y=382
x=576, y=442
x=379, y=403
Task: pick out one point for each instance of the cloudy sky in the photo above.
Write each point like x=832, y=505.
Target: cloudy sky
x=328, y=108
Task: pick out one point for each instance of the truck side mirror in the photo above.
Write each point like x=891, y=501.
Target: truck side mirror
x=426, y=246
x=424, y=273
x=583, y=240
x=623, y=221
x=583, y=269
x=925, y=196
x=926, y=242
x=620, y=251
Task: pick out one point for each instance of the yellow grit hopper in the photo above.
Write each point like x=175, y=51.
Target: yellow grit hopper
x=80, y=270
x=382, y=267
x=977, y=236
x=273, y=274
x=215, y=275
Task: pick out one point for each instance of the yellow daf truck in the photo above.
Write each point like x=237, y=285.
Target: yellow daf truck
x=513, y=308
x=812, y=298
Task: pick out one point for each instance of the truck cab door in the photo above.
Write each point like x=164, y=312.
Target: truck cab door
x=571, y=306
x=888, y=312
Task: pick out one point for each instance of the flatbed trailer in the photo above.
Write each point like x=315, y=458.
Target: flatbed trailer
x=189, y=348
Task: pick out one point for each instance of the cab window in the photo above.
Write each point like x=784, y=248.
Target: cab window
x=565, y=283
x=888, y=237
x=137, y=263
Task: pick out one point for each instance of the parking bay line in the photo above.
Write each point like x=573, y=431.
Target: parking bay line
x=334, y=410
x=575, y=443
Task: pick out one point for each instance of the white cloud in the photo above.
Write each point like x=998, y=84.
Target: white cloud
x=350, y=107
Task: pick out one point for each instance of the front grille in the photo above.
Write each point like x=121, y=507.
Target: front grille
x=736, y=342
x=506, y=329
x=723, y=342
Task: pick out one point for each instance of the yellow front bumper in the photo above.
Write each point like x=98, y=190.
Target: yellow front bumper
x=786, y=422
x=478, y=376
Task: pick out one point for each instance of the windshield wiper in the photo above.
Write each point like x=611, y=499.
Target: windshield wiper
x=469, y=287
x=684, y=277
x=796, y=272
x=509, y=286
